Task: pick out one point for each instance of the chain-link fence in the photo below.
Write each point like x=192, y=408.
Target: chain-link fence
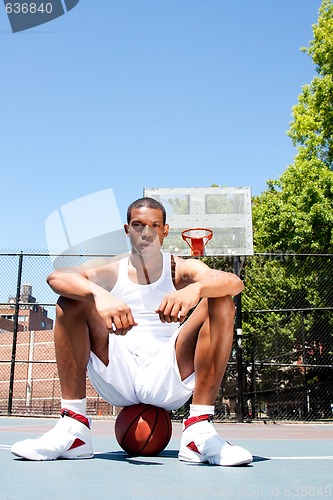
x=281, y=366
x=287, y=310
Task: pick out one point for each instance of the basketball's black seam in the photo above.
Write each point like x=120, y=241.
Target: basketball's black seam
x=132, y=422
x=167, y=419
x=153, y=428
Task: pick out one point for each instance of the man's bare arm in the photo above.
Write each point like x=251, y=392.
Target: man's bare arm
x=82, y=284
x=194, y=281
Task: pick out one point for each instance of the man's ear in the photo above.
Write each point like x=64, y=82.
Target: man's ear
x=166, y=230
x=126, y=229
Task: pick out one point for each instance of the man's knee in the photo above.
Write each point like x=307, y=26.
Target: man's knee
x=222, y=307
x=69, y=308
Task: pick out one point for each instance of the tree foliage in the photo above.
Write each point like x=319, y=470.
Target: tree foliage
x=295, y=213
x=312, y=127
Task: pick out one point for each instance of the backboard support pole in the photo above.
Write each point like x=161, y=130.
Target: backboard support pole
x=239, y=347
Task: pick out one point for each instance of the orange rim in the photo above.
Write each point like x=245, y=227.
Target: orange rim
x=195, y=241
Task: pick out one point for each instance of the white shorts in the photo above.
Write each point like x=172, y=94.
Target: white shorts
x=129, y=380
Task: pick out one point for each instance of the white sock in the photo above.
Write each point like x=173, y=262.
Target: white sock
x=76, y=405
x=197, y=410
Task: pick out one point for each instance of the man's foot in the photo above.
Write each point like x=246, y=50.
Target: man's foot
x=201, y=443
x=70, y=439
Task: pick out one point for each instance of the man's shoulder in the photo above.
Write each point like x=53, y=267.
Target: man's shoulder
x=175, y=258
x=105, y=271
x=184, y=270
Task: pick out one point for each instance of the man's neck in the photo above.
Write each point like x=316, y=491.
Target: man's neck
x=147, y=269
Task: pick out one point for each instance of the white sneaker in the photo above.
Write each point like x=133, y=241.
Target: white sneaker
x=201, y=443
x=70, y=439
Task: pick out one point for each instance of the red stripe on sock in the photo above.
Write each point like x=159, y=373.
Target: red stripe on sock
x=76, y=416
x=194, y=420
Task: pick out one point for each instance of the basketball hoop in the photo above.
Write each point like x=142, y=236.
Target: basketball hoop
x=197, y=238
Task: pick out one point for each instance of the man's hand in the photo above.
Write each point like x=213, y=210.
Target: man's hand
x=175, y=306
x=116, y=315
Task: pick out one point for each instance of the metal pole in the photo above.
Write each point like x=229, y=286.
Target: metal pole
x=30, y=365
x=16, y=316
x=239, y=348
x=306, y=408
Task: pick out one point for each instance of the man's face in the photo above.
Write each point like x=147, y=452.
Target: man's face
x=146, y=230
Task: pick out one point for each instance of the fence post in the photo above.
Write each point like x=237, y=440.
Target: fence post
x=239, y=347
x=15, y=330
x=305, y=356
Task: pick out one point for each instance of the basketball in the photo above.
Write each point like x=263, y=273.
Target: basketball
x=143, y=429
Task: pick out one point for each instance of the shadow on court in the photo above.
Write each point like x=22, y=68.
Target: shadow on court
x=290, y=461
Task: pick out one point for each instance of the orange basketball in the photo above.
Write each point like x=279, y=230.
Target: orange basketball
x=143, y=429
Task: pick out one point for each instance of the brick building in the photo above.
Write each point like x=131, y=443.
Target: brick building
x=31, y=316
x=36, y=386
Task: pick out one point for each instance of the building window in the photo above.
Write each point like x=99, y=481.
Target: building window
x=8, y=316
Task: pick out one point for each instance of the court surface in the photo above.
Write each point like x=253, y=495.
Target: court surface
x=290, y=461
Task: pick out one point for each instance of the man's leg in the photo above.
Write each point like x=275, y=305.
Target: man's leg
x=203, y=346
x=72, y=348
x=78, y=329
x=75, y=331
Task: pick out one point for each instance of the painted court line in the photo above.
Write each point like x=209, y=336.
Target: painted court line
x=319, y=457
x=323, y=457
x=328, y=457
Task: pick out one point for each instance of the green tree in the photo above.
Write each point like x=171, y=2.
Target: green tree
x=294, y=215
x=312, y=127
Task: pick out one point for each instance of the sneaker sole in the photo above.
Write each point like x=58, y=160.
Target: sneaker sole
x=193, y=457
x=41, y=458
x=67, y=455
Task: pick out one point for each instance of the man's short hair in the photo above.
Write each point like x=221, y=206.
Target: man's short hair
x=145, y=202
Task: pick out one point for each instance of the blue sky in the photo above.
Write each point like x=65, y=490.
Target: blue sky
x=128, y=94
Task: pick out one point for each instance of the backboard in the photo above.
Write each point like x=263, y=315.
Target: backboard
x=225, y=210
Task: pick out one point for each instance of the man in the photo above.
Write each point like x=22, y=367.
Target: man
x=125, y=321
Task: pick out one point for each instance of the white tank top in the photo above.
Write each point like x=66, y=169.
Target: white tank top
x=145, y=338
